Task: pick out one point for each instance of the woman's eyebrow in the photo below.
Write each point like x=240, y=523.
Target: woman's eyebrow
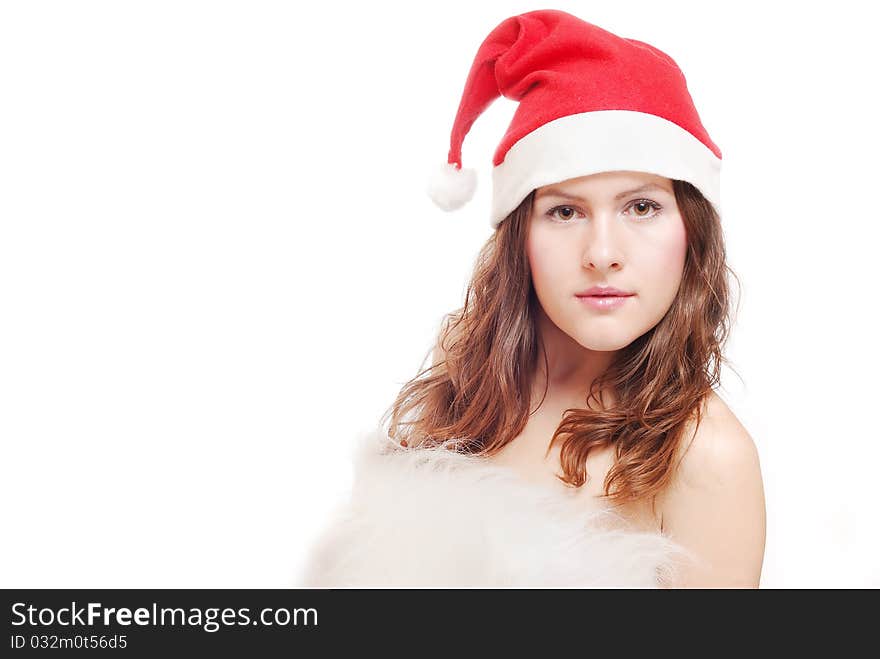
x=551, y=192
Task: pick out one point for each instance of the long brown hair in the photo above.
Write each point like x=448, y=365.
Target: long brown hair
x=476, y=399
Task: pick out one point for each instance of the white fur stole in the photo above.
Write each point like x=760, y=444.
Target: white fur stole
x=431, y=517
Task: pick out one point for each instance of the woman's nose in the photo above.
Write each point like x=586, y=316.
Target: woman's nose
x=602, y=247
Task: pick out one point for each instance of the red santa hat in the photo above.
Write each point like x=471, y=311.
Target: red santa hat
x=589, y=101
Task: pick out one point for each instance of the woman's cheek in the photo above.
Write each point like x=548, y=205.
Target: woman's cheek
x=540, y=264
x=668, y=266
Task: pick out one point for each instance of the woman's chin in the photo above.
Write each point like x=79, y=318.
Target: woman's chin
x=604, y=343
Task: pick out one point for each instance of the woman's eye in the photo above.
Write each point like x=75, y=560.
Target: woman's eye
x=642, y=208
x=563, y=216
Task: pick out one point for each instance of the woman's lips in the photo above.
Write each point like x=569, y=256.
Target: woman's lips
x=604, y=302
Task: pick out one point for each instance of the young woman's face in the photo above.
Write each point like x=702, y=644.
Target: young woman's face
x=606, y=233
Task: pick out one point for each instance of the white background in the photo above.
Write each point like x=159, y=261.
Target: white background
x=218, y=264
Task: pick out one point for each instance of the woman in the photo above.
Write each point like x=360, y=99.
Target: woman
x=567, y=432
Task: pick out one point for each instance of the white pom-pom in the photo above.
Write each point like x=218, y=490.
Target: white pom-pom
x=451, y=188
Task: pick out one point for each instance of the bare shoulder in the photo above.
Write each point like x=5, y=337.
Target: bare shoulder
x=715, y=503
x=720, y=448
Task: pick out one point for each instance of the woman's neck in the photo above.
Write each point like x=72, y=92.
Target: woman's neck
x=565, y=365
